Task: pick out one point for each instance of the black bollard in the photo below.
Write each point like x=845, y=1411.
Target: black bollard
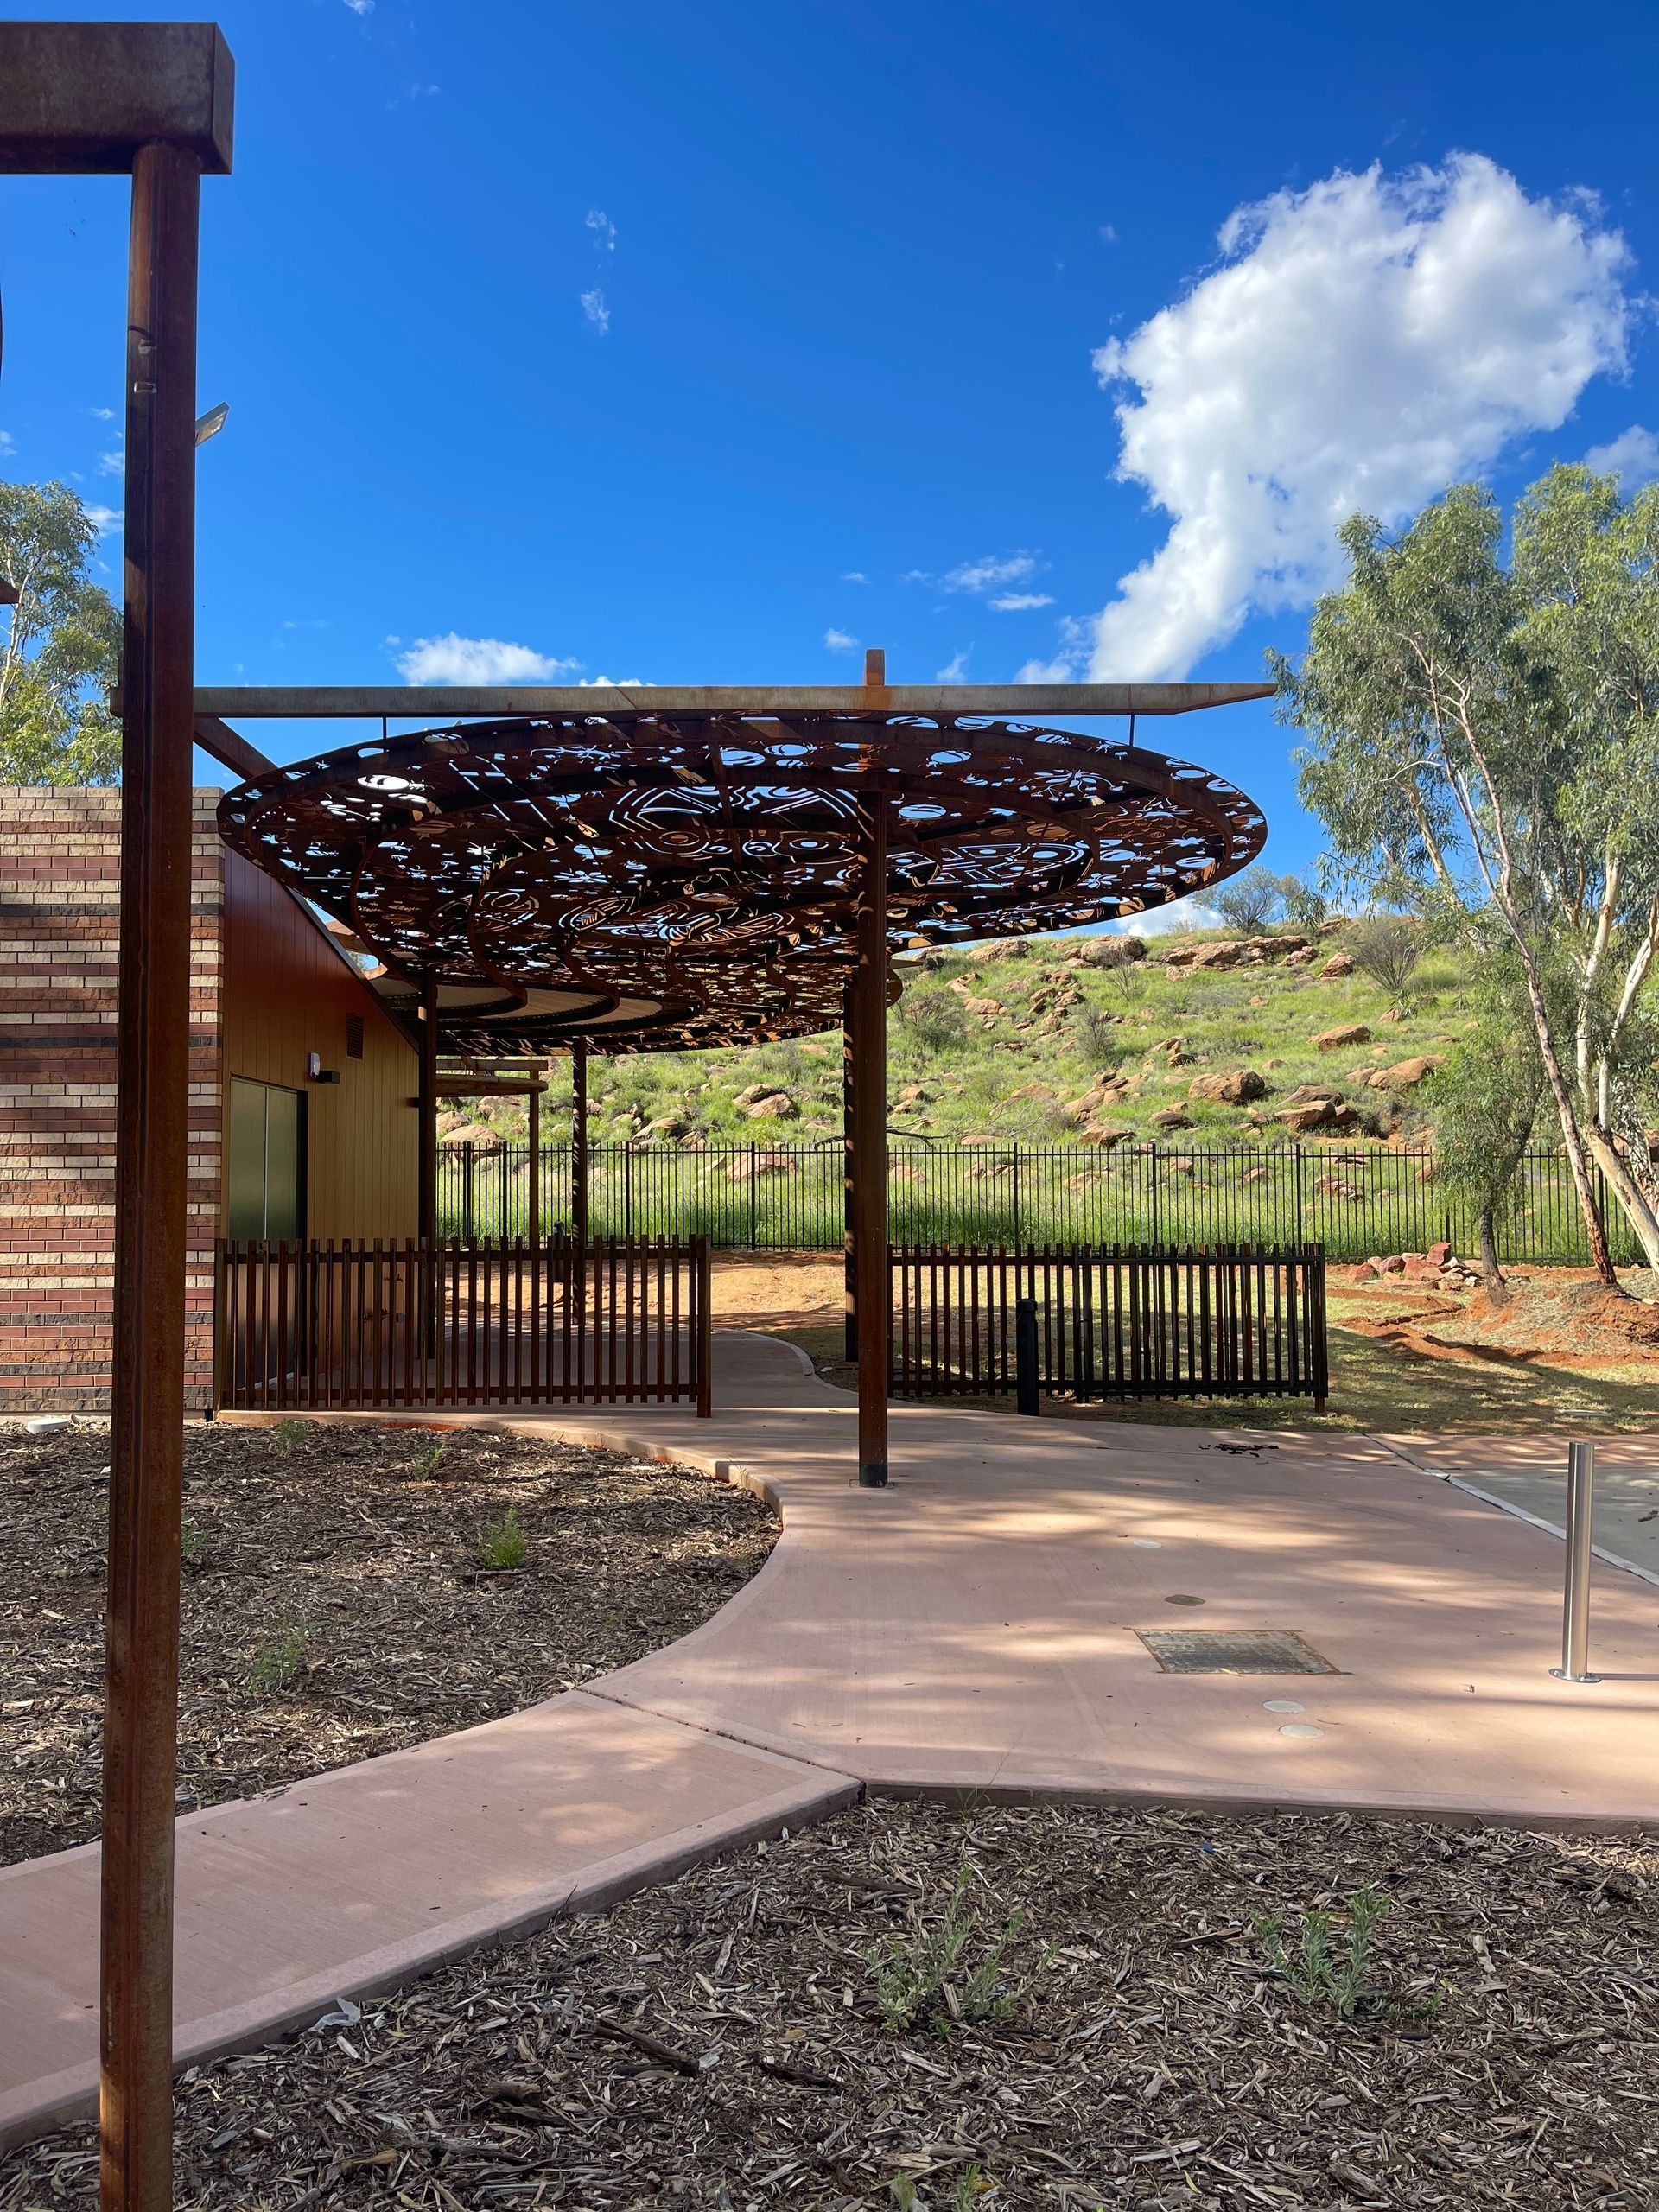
x=1025, y=1356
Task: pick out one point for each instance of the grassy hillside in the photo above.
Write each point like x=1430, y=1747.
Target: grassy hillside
x=1034, y=1041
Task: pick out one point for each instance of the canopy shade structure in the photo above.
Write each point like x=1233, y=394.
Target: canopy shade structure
x=672, y=879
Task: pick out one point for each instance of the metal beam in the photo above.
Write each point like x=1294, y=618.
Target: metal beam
x=870, y=1147
x=219, y=740
x=83, y=98
x=444, y=703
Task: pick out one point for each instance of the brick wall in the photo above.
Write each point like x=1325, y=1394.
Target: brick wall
x=59, y=865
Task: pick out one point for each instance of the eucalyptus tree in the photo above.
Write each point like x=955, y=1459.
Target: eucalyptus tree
x=60, y=644
x=1483, y=745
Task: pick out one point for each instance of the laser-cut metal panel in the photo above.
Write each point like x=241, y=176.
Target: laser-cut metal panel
x=702, y=868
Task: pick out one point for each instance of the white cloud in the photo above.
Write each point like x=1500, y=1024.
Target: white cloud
x=954, y=670
x=1633, y=456
x=854, y=576
x=1108, y=233
x=1016, y=602
x=837, y=641
x=7, y=443
x=603, y=228
x=593, y=306
x=1075, y=640
x=1163, y=921
x=361, y=7
x=112, y=464
x=612, y=683
x=102, y=414
x=104, y=520
x=1360, y=344
x=454, y=660
x=986, y=575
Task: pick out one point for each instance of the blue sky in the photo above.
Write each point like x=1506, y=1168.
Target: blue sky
x=628, y=336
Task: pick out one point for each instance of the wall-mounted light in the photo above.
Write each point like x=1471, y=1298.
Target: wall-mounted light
x=317, y=1072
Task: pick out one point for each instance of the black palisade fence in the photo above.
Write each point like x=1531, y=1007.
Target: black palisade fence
x=1354, y=1200
x=1113, y=1321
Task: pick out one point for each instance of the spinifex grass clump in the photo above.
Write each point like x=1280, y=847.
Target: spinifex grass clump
x=278, y=1665
x=503, y=1545
x=941, y=1971
x=1328, y=1966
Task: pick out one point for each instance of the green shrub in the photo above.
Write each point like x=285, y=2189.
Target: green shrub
x=1328, y=1967
x=287, y=1434
x=929, y=1976
x=278, y=1665
x=503, y=1545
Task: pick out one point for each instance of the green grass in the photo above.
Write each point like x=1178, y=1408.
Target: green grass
x=280, y=1664
x=502, y=1545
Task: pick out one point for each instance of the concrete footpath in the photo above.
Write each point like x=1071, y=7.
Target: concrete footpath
x=973, y=1627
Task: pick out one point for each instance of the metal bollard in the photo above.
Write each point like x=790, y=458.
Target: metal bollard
x=1575, y=1615
x=1025, y=1356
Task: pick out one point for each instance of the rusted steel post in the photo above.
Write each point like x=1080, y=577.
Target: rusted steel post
x=849, y=1272
x=427, y=1201
x=535, y=1121
x=579, y=1140
x=153, y=1076
x=869, y=1059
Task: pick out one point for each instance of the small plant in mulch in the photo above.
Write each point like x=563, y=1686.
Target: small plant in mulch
x=502, y=1545
x=428, y=1457
x=942, y=1972
x=278, y=1665
x=287, y=1434
x=965, y=2192
x=1330, y=1967
x=193, y=1544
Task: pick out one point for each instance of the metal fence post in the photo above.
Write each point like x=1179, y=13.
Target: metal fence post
x=1016, y=1196
x=1575, y=1610
x=1025, y=1356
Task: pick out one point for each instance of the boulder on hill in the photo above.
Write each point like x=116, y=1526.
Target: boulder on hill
x=479, y=1133
x=1171, y=1118
x=1406, y=1075
x=1233, y=1087
x=740, y=1168
x=1106, y=1134
x=1112, y=952
x=776, y=1106
x=1346, y=1033
x=1234, y=952
x=1339, y=963
x=1311, y=1106
x=748, y=1097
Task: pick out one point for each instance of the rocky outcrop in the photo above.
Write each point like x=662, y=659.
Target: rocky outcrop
x=1338, y=1039
x=1233, y=1087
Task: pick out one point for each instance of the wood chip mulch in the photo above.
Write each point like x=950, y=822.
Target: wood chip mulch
x=718, y=2043
x=351, y=1559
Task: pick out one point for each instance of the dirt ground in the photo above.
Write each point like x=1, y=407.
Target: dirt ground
x=1142, y=2038
x=338, y=1600
x=1403, y=1357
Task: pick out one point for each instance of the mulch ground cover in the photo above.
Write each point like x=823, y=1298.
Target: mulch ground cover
x=943, y=2006
x=345, y=1591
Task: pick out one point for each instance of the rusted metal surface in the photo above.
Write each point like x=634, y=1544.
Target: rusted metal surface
x=579, y=1141
x=870, y=1147
x=140, y=1722
x=426, y=1214
x=849, y=1245
x=86, y=96
x=691, y=881
x=427, y=702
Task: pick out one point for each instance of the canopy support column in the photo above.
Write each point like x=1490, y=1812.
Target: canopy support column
x=152, y=1140
x=534, y=1117
x=427, y=1201
x=579, y=1141
x=848, y=1239
x=868, y=1058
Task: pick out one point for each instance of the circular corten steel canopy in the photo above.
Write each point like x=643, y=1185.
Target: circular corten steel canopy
x=689, y=880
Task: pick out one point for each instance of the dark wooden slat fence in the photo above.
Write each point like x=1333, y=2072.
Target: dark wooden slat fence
x=310, y=1326
x=1113, y=1321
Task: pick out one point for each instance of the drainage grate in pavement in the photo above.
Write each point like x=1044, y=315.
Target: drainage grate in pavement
x=1233, y=1651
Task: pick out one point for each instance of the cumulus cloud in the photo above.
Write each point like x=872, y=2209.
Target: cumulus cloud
x=854, y=576
x=838, y=642
x=1017, y=602
x=104, y=520
x=102, y=414
x=1633, y=456
x=980, y=577
x=7, y=442
x=361, y=7
x=1359, y=345
x=603, y=228
x=112, y=464
x=954, y=670
x=1181, y=914
x=593, y=306
x=455, y=659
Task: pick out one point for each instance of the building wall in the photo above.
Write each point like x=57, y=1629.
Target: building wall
x=288, y=992
x=60, y=871
x=267, y=988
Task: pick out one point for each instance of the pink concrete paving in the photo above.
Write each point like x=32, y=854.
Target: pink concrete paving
x=972, y=1628
x=360, y=1878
